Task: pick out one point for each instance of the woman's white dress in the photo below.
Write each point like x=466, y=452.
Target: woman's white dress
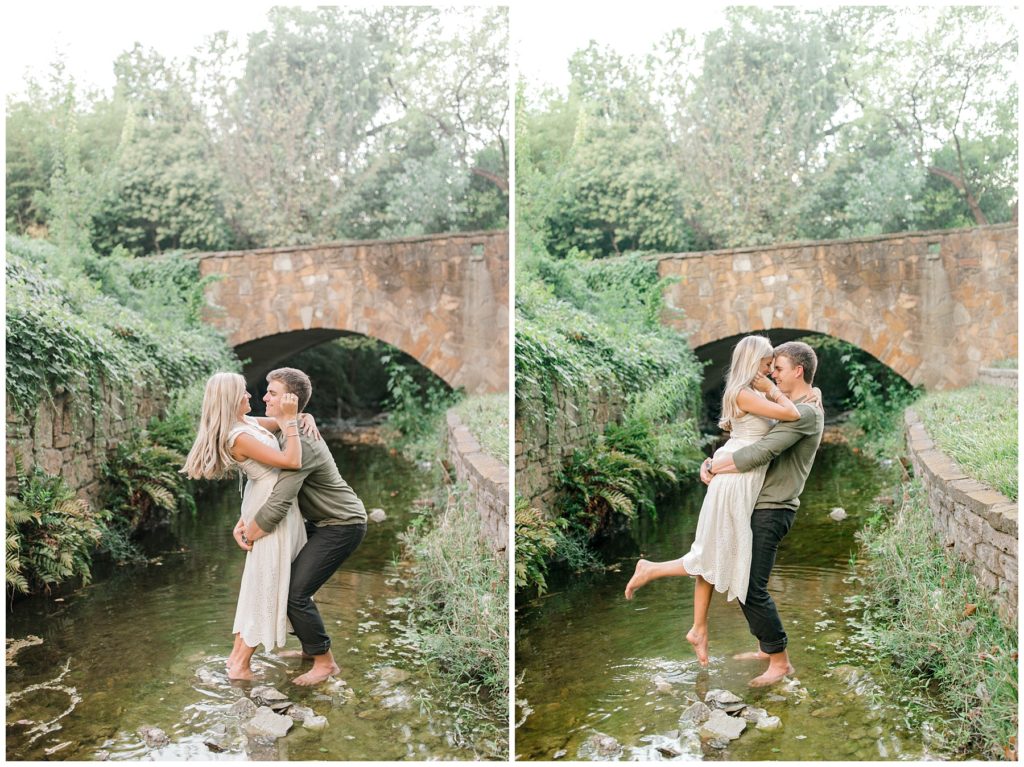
x=721, y=548
x=262, y=613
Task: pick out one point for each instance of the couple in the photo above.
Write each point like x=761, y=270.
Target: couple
x=289, y=480
x=754, y=485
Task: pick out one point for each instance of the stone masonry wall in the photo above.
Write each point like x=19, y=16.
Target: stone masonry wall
x=998, y=377
x=487, y=479
x=542, y=448
x=74, y=444
x=979, y=523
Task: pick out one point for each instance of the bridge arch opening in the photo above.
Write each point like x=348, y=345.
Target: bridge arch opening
x=832, y=377
x=349, y=371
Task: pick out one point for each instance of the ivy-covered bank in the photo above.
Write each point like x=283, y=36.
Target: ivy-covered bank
x=606, y=404
x=106, y=359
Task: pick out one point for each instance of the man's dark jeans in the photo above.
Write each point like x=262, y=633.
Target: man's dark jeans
x=769, y=527
x=326, y=548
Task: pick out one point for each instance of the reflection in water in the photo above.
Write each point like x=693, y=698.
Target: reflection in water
x=145, y=647
x=591, y=662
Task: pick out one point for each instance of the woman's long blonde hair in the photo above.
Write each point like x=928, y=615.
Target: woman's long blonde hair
x=746, y=361
x=209, y=457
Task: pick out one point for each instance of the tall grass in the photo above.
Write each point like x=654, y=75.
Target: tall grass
x=926, y=612
x=977, y=428
x=459, y=618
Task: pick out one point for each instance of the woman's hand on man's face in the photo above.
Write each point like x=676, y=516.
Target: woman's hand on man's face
x=762, y=383
x=289, y=406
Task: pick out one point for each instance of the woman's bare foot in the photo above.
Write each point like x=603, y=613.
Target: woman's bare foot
x=773, y=674
x=240, y=672
x=640, y=577
x=319, y=673
x=700, y=644
x=756, y=655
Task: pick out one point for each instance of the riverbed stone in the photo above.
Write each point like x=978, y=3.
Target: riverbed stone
x=722, y=727
x=391, y=675
x=768, y=723
x=600, y=747
x=266, y=694
x=753, y=714
x=828, y=712
x=244, y=708
x=153, y=736
x=697, y=713
x=315, y=723
x=267, y=724
x=300, y=713
x=377, y=515
x=838, y=514
x=725, y=700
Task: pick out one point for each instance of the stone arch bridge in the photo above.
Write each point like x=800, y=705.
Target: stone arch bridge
x=934, y=306
x=442, y=299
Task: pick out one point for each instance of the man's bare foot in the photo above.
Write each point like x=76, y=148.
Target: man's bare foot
x=772, y=675
x=317, y=674
x=700, y=645
x=756, y=655
x=294, y=654
x=240, y=672
x=640, y=577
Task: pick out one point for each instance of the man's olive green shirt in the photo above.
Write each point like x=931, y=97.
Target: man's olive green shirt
x=790, y=447
x=324, y=497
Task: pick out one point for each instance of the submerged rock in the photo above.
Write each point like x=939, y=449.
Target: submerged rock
x=267, y=724
x=724, y=700
x=722, y=727
x=768, y=723
x=697, y=713
x=377, y=515
x=265, y=695
x=301, y=713
x=600, y=747
x=315, y=723
x=244, y=708
x=154, y=736
x=392, y=675
x=838, y=514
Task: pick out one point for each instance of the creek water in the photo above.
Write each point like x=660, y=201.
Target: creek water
x=146, y=646
x=591, y=664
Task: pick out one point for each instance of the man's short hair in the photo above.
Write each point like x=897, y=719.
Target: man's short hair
x=799, y=353
x=295, y=381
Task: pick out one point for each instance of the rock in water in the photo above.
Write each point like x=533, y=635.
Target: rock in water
x=243, y=707
x=301, y=713
x=724, y=700
x=600, y=747
x=720, y=726
x=377, y=515
x=838, y=514
x=267, y=724
x=769, y=723
x=698, y=713
x=154, y=736
x=265, y=695
x=315, y=723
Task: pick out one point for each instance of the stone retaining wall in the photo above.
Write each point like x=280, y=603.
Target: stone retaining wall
x=998, y=377
x=542, y=448
x=487, y=479
x=74, y=444
x=979, y=523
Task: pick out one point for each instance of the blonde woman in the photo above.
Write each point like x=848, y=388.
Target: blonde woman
x=231, y=440
x=719, y=557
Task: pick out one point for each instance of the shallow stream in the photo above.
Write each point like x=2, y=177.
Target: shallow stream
x=145, y=647
x=603, y=678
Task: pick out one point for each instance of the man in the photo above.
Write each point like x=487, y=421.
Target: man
x=335, y=526
x=790, y=448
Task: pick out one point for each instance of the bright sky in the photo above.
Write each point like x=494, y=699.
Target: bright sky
x=92, y=35
x=544, y=36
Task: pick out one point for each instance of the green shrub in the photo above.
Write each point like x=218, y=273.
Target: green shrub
x=417, y=401
x=51, y=534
